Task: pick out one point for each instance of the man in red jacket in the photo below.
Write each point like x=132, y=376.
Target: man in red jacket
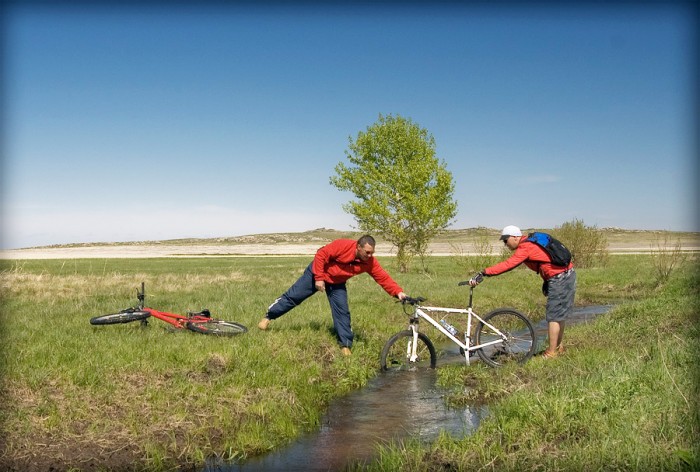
x=559, y=282
x=333, y=265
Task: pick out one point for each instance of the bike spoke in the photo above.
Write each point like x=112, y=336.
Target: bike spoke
x=125, y=316
x=514, y=336
x=397, y=353
x=216, y=327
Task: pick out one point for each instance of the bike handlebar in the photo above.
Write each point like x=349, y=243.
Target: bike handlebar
x=141, y=295
x=413, y=301
x=417, y=300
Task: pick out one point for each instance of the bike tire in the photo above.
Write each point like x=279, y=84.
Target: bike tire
x=520, y=343
x=126, y=316
x=395, y=353
x=217, y=327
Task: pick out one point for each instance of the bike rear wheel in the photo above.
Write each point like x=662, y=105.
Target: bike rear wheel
x=518, y=340
x=125, y=316
x=217, y=327
x=397, y=351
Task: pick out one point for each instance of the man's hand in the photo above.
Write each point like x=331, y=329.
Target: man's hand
x=320, y=285
x=401, y=296
x=477, y=279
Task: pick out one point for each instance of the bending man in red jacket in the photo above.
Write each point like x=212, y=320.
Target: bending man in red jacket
x=333, y=265
x=559, y=282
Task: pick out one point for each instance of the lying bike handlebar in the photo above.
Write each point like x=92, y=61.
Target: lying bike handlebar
x=141, y=295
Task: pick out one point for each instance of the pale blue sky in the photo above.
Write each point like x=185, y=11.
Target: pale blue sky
x=130, y=123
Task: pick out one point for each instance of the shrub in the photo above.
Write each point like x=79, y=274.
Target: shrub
x=588, y=245
x=666, y=256
x=481, y=257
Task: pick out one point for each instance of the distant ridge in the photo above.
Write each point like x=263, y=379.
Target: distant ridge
x=320, y=236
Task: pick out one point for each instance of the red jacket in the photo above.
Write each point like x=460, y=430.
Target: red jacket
x=531, y=255
x=336, y=262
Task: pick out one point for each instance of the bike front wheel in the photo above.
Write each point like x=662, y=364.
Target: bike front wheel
x=125, y=316
x=220, y=328
x=396, y=354
x=516, y=341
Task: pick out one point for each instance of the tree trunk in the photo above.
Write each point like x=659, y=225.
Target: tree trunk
x=403, y=258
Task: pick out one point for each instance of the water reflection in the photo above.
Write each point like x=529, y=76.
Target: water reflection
x=581, y=314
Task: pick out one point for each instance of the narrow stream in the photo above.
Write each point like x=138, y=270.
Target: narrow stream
x=393, y=406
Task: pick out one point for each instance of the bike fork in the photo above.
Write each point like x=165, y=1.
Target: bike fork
x=412, y=356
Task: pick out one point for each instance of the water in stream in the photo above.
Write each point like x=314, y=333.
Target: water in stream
x=393, y=406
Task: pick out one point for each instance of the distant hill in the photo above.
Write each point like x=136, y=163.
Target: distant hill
x=617, y=237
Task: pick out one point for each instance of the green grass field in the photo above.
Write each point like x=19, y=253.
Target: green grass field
x=80, y=397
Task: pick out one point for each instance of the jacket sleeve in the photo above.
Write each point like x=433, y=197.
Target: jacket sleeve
x=384, y=279
x=519, y=256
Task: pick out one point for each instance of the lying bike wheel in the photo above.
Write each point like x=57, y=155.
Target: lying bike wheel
x=397, y=350
x=221, y=328
x=125, y=316
x=519, y=342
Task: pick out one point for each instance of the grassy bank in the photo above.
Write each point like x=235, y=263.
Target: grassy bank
x=626, y=396
x=107, y=397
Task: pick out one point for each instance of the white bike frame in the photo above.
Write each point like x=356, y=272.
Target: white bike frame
x=422, y=312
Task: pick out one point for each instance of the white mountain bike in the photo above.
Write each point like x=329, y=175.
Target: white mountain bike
x=502, y=336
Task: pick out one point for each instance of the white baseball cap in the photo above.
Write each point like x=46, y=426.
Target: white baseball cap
x=510, y=230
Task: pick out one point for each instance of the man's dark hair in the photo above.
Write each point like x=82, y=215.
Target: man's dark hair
x=366, y=239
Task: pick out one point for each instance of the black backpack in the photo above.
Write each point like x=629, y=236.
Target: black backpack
x=558, y=253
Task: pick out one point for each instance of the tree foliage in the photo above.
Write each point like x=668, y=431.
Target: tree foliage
x=403, y=191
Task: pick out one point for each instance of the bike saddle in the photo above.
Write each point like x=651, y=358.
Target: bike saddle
x=204, y=313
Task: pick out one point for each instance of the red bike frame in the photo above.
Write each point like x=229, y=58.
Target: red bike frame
x=175, y=319
x=200, y=322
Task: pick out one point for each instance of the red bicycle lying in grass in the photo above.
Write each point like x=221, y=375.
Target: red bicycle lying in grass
x=200, y=322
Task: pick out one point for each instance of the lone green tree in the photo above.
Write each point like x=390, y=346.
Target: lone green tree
x=403, y=192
